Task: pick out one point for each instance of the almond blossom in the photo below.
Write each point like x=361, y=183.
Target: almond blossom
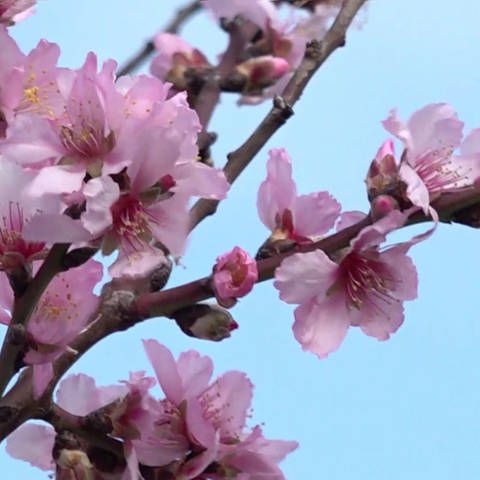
x=299, y=218
x=429, y=165
x=64, y=309
x=280, y=39
x=200, y=432
x=364, y=287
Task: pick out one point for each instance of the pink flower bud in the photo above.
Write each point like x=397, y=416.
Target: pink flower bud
x=261, y=72
x=234, y=275
x=382, y=176
x=381, y=206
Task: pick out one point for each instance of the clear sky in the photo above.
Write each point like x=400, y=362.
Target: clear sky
x=408, y=408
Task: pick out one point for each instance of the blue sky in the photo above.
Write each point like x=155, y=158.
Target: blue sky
x=406, y=408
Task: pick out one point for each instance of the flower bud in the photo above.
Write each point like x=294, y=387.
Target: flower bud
x=206, y=321
x=261, y=72
x=234, y=275
x=381, y=206
x=175, y=57
x=382, y=176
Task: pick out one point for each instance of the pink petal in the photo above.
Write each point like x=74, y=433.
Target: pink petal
x=347, y=219
x=33, y=443
x=471, y=143
x=198, y=179
x=387, y=148
x=397, y=127
x=195, y=371
x=417, y=191
x=55, y=228
x=31, y=140
x=165, y=369
x=402, y=271
x=303, y=276
x=137, y=264
x=200, y=429
x=278, y=191
x=257, y=11
x=229, y=397
x=42, y=374
x=315, y=214
x=434, y=126
x=320, y=327
x=78, y=394
x=380, y=323
x=100, y=194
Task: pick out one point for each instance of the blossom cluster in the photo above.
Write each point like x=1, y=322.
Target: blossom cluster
x=274, y=35
x=94, y=159
x=103, y=164
x=365, y=284
x=197, y=431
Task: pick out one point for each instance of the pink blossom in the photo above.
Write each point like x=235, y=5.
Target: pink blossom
x=75, y=142
x=63, y=311
x=234, y=274
x=364, y=287
x=174, y=56
x=12, y=11
x=77, y=394
x=428, y=164
x=155, y=205
x=22, y=216
x=287, y=214
x=287, y=40
x=36, y=84
x=206, y=421
x=148, y=201
x=16, y=208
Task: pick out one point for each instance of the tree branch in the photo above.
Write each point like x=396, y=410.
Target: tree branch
x=174, y=26
x=60, y=419
x=126, y=310
x=315, y=55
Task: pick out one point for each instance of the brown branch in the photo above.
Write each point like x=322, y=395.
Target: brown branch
x=23, y=309
x=60, y=419
x=174, y=26
x=123, y=310
x=315, y=55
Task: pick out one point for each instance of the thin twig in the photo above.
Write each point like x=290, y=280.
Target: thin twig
x=315, y=55
x=174, y=26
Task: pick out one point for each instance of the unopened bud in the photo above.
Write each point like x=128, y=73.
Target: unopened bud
x=175, y=57
x=76, y=462
x=234, y=275
x=382, y=177
x=381, y=206
x=261, y=72
x=206, y=321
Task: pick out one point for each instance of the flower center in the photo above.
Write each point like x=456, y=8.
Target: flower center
x=439, y=172
x=86, y=141
x=11, y=240
x=131, y=221
x=365, y=279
